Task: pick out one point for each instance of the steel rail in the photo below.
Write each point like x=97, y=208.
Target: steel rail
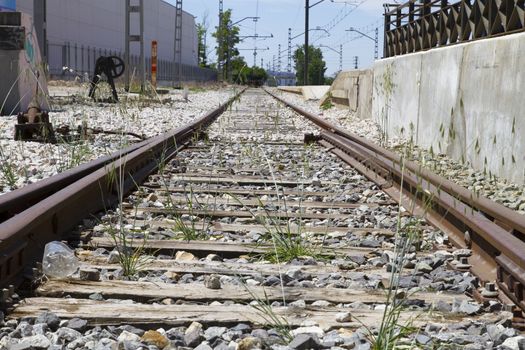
x=509, y=219
x=18, y=200
x=23, y=236
x=492, y=231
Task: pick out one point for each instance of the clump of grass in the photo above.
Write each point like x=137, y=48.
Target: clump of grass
x=327, y=103
x=272, y=320
x=131, y=258
x=391, y=330
x=407, y=237
x=189, y=231
x=287, y=245
x=8, y=169
x=76, y=153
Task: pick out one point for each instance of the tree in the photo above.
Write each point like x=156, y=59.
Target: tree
x=256, y=76
x=202, y=32
x=238, y=69
x=227, y=37
x=316, y=66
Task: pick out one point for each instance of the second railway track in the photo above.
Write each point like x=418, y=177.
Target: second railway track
x=254, y=235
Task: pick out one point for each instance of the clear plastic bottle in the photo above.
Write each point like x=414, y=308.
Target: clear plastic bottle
x=59, y=260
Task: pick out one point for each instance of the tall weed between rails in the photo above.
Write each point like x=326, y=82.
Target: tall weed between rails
x=189, y=231
x=286, y=244
x=131, y=256
x=407, y=237
x=265, y=311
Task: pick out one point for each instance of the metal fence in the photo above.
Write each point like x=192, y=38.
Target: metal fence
x=417, y=26
x=69, y=60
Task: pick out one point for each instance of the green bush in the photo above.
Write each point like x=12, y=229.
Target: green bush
x=254, y=76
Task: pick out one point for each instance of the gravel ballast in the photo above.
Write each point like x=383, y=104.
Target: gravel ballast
x=500, y=190
x=22, y=163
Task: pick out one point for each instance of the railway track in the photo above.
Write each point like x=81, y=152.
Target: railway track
x=262, y=230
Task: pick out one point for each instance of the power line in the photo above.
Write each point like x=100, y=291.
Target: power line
x=340, y=17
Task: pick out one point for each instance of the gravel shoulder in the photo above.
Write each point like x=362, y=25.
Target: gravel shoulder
x=509, y=194
x=22, y=163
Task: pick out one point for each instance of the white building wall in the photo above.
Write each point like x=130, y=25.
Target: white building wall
x=97, y=27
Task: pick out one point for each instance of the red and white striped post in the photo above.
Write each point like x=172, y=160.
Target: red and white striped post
x=154, y=64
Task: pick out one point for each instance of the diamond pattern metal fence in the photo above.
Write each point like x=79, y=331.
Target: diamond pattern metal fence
x=417, y=26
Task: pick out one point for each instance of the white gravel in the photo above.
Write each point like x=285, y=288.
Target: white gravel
x=22, y=163
x=509, y=194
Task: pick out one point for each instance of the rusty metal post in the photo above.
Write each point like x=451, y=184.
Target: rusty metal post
x=154, y=64
x=386, y=51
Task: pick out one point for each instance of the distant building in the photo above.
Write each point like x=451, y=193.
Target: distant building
x=281, y=78
x=79, y=31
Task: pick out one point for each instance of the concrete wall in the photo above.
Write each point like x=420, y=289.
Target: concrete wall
x=353, y=89
x=464, y=100
x=22, y=76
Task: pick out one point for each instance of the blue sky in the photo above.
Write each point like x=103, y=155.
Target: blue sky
x=276, y=16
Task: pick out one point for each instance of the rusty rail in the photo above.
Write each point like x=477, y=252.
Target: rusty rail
x=493, y=232
x=85, y=190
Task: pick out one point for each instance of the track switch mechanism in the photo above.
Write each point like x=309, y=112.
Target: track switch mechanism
x=112, y=67
x=34, y=126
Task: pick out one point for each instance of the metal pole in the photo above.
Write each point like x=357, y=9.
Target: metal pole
x=289, y=50
x=341, y=57
x=279, y=59
x=228, y=59
x=142, y=59
x=178, y=41
x=306, y=25
x=126, y=47
x=40, y=19
x=220, y=41
x=376, y=47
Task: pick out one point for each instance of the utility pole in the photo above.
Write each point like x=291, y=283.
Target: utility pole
x=376, y=39
x=376, y=48
x=177, y=52
x=307, y=8
x=306, y=29
x=228, y=49
x=134, y=38
x=220, y=40
x=340, y=52
x=341, y=57
x=279, y=59
x=289, y=68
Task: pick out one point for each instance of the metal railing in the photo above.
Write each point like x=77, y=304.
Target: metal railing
x=79, y=60
x=417, y=26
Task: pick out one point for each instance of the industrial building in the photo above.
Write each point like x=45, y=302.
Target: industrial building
x=78, y=31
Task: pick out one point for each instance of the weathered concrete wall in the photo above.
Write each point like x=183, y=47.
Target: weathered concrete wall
x=353, y=89
x=22, y=76
x=465, y=101
x=309, y=92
